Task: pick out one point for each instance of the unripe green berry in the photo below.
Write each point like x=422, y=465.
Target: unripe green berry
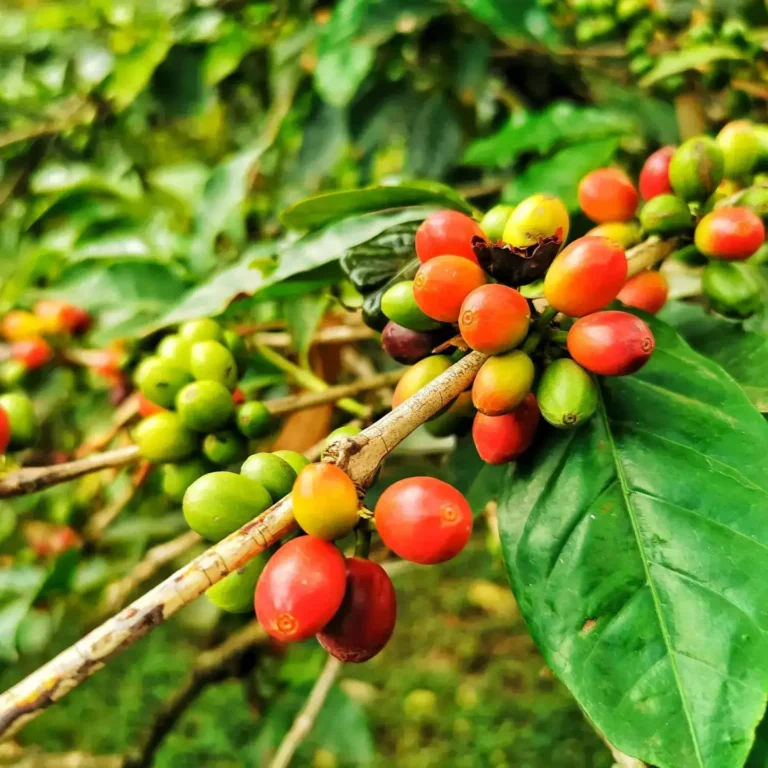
x=696, y=168
x=274, y=473
x=204, y=329
x=732, y=288
x=163, y=437
x=666, y=215
x=567, y=396
x=254, y=419
x=205, y=406
x=294, y=459
x=212, y=361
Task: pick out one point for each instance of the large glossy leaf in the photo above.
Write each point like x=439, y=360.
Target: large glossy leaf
x=323, y=209
x=636, y=547
x=698, y=57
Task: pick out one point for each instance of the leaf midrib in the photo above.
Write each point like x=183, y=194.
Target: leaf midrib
x=627, y=495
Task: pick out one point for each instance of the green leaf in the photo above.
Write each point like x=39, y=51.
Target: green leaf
x=435, y=139
x=322, y=209
x=698, y=57
x=468, y=473
x=502, y=16
x=633, y=545
x=743, y=353
x=341, y=71
x=561, y=173
x=120, y=245
x=304, y=314
x=19, y=586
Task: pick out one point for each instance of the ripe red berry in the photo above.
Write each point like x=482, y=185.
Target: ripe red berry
x=494, y=319
x=33, y=353
x=146, y=407
x=366, y=619
x=447, y=233
x=300, y=589
x=647, y=291
x=729, y=233
x=59, y=316
x=611, y=343
x=607, y=195
x=442, y=284
x=423, y=520
x=502, y=383
x=5, y=431
x=500, y=439
x=586, y=276
x=654, y=178
x=238, y=398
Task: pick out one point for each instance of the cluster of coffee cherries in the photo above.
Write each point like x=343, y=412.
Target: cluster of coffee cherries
x=192, y=406
x=702, y=188
x=461, y=282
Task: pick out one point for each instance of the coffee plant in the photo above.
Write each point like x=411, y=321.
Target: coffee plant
x=297, y=299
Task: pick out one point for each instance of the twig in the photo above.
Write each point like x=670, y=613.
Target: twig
x=124, y=413
x=36, y=759
x=333, y=334
x=304, y=721
x=360, y=456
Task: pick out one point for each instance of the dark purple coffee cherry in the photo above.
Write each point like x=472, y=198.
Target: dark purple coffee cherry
x=406, y=346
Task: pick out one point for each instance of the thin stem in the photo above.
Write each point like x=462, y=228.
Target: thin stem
x=362, y=539
x=558, y=337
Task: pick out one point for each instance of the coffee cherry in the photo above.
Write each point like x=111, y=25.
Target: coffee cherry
x=399, y=305
x=204, y=406
x=696, y=168
x=727, y=188
x=325, y=501
x=611, y=343
x=178, y=477
x=274, y=473
x=654, y=177
x=666, y=215
x=756, y=199
x=21, y=415
x=366, y=619
x=446, y=233
x=212, y=361
x=647, y=291
x=175, y=349
x=219, y=503
x=5, y=431
x=502, y=383
x=163, y=437
x=234, y=343
x=586, y=276
x=294, y=459
x=424, y=520
x=20, y=324
x=419, y=376
x=300, y=589
x=146, y=407
x=537, y=218
x=732, y=288
x=625, y=233
x=741, y=148
x=442, y=284
x=32, y=353
x=499, y=439
x=204, y=329
x=406, y=346
x=494, y=318
x=729, y=234
x=234, y=593
x=238, y=396
x=224, y=447
x=254, y=419
x=455, y=419
x=160, y=381
x=494, y=222
x=566, y=394
x=59, y=316
x=607, y=195
x=348, y=430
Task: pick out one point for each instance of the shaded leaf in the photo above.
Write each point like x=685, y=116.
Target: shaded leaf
x=501, y=16
x=481, y=483
x=697, y=57
x=304, y=314
x=435, y=139
x=19, y=586
x=340, y=72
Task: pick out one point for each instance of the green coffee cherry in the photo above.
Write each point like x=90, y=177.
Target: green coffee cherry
x=456, y=420
x=348, y=430
x=732, y=288
x=274, y=473
x=756, y=199
x=640, y=36
x=696, y=168
x=690, y=254
x=254, y=419
x=11, y=373
x=234, y=593
x=163, y=437
x=399, y=305
x=22, y=419
x=567, y=395
x=205, y=406
x=761, y=132
x=741, y=148
x=495, y=220
x=640, y=64
x=178, y=477
x=221, y=502
x=212, y=361
x=236, y=346
x=666, y=215
x=160, y=380
x=223, y=448
x=176, y=350
x=204, y=329
x=626, y=10
x=295, y=459
x=594, y=28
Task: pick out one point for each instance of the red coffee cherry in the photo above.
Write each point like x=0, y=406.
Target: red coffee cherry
x=5, y=431
x=423, y=520
x=33, y=353
x=325, y=501
x=300, y=589
x=494, y=319
x=146, y=407
x=586, y=276
x=611, y=343
x=447, y=233
x=59, y=316
x=607, y=195
x=729, y=233
x=238, y=396
x=366, y=619
x=502, y=383
x=442, y=284
x=654, y=178
x=647, y=291
x=500, y=439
